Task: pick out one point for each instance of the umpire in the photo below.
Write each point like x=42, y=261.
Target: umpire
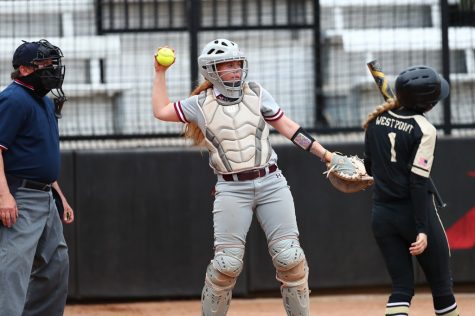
x=34, y=263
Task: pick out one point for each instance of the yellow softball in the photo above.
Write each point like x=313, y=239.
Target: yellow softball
x=165, y=56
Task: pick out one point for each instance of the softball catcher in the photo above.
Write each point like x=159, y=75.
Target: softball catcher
x=229, y=116
x=399, y=152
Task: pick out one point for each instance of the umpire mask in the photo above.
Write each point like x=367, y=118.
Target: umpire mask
x=45, y=58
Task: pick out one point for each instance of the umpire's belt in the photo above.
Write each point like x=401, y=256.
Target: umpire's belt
x=250, y=174
x=15, y=183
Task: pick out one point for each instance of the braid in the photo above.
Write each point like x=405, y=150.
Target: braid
x=192, y=131
x=390, y=104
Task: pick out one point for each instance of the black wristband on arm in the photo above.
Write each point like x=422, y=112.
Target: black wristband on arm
x=302, y=139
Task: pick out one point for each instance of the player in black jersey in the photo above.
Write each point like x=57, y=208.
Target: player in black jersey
x=399, y=151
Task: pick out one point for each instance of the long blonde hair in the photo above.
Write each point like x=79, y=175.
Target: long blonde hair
x=192, y=131
x=390, y=104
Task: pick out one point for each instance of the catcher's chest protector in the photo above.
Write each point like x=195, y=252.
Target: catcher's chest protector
x=236, y=134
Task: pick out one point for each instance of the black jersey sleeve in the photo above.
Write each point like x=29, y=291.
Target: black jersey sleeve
x=419, y=188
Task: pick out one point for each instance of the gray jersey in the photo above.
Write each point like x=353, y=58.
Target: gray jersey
x=189, y=110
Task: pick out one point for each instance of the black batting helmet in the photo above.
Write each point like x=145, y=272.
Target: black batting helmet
x=420, y=87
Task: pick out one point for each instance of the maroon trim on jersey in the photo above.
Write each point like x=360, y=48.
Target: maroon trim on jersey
x=21, y=83
x=179, y=112
x=3, y=148
x=274, y=117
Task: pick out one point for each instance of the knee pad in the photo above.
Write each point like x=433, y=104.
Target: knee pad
x=289, y=260
x=225, y=267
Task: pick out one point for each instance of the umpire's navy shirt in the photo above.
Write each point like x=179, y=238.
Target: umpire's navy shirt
x=29, y=136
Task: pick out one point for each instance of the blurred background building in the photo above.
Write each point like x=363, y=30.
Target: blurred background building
x=310, y=54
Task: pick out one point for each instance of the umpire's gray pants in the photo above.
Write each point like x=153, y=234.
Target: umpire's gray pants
x=34, y=263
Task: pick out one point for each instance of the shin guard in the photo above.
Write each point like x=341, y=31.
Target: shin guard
x=292, y=271
x=221, y=276
x=296, y=300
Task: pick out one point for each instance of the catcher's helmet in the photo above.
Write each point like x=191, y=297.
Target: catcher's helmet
x=420, y=87
x=219, y=51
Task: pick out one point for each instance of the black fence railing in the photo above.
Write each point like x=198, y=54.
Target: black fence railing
x=158, y=16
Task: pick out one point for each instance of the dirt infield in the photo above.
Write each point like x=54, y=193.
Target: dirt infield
x=334, y=305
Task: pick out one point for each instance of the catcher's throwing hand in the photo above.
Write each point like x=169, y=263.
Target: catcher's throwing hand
x=348, y=174
x=419, y=245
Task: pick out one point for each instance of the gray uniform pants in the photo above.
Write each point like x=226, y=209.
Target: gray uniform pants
x=235, y=203
x=34, y=263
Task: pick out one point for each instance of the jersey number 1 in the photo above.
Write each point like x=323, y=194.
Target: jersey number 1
x=392, y=139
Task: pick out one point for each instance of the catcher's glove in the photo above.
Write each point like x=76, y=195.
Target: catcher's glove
x=348, y=174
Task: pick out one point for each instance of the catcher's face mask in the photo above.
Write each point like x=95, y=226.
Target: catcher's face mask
x=230, y=73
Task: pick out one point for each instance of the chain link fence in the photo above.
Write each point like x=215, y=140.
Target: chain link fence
x=311, y=55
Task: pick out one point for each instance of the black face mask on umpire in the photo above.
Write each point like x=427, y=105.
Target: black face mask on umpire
x=47, y=76
x=52, y=77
